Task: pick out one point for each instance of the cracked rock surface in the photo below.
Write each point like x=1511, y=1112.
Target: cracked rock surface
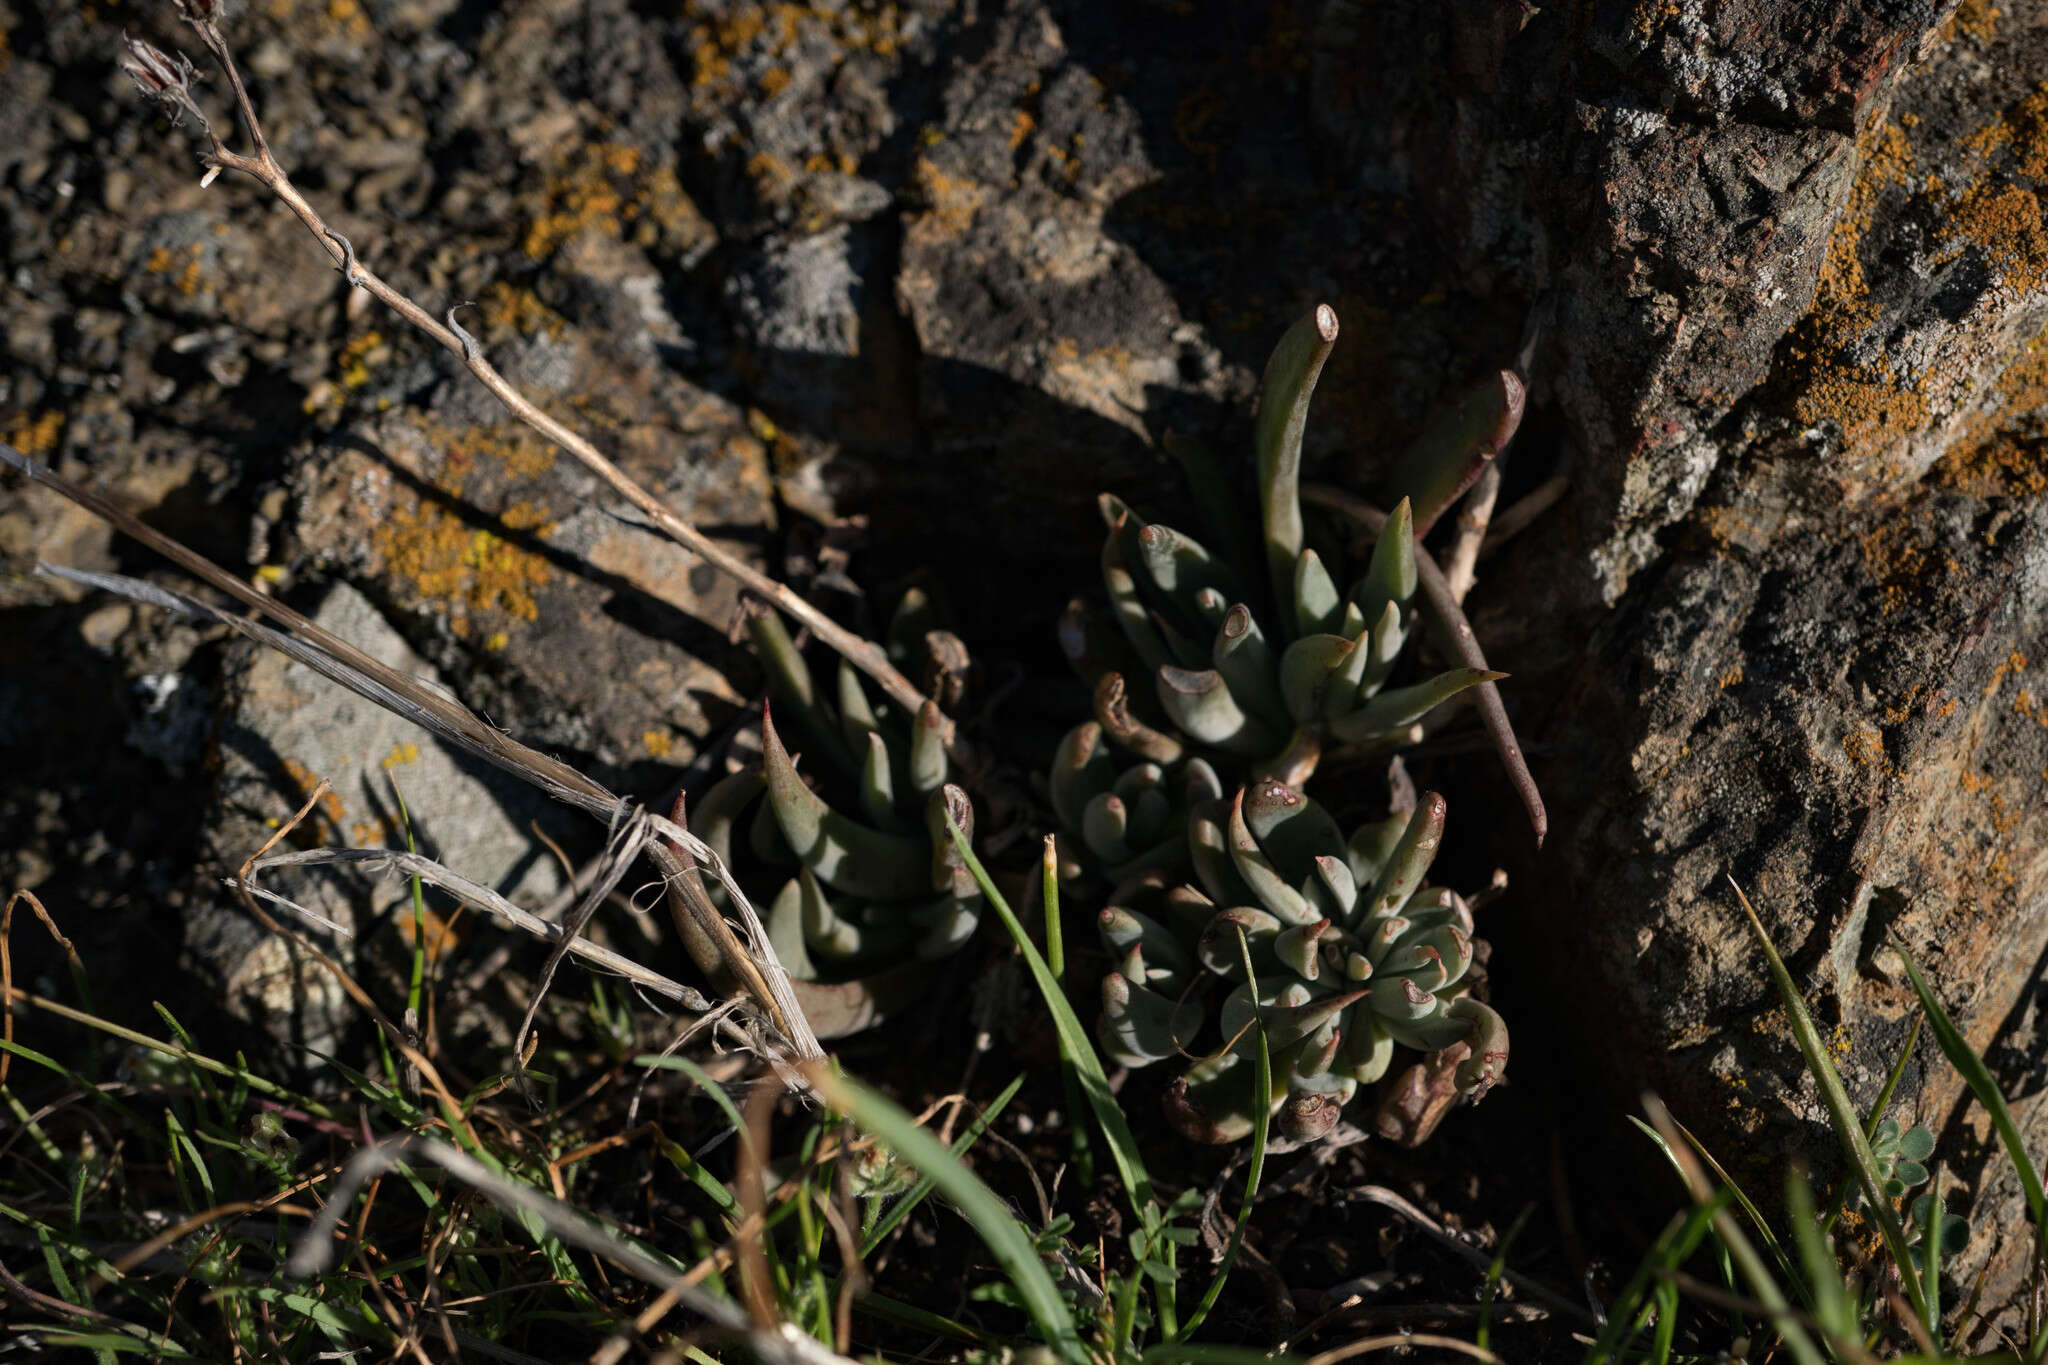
x=957, y=266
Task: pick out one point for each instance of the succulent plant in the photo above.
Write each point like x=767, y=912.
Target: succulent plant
x=1354, y=956
x=1274, y=690
x=859, y=878
x=1900, y=1156
x=1257, y=671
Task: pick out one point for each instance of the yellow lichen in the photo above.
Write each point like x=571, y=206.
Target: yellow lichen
x=519, y=310
x=950, y=201
x=35, y=435
x=463, y=568
x=401, y=752
x=608, y=188
x=660, y=743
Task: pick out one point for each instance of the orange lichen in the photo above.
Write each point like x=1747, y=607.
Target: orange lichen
x=659, y=743
x=950, y=201
x=305, y=779
x=464, y=568
x=35, y=435
x=608, y=188
x=355, y=359
x=1974, y=19
x=721, y=33
x=513, y=309
x=2003, y=451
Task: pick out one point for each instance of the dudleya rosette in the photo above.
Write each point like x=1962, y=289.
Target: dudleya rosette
x=860, y=884
x=1247, y=677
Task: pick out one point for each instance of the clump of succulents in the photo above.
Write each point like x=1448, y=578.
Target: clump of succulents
x=1352, y=952
x=858, y=877
x=1258, y=672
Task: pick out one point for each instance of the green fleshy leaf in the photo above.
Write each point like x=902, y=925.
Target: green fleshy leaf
x=1406, y=705
x=1284, y=392
x=785, y=925
x=1410, y=860
x=1306, y=670
x=1200, y=703
x=1318, y=609
x=1247, y=665
x=1448, y=454
x=843, y=853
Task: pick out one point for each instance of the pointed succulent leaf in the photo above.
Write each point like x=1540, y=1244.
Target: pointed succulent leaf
x=1390, y=576
x=1385, y=636
x=1248, y=666
x=1293, y=829
x=785, y=927
x=1432, y=1032
x=915, y=617
x=1211, y=607
x=1200, y=704
x=1347, y=679
x=1368, y=1048
x=856, y=716
x=1179, y=566
x=1284, y=391
x=877, y=783
x=1488, y=1040
x=1168, y=961
x=1398, y=1000
x=764, y=837
x=927, y=750
x=1103, y=826
x=1421, y=964
x=1338, y=883
x=1182, y=637
x=1409, y=863
x=1259, y=873
x=1452, y=449
x=1299, y=948
x=1292, y=1018
x=945, y=925
x=1133, y=616
x=1209, y=850
x=1406, y=705
x=712, y=818
x=1318, y=609
x=948, y=870
x=844, y=854
x=1306, y=669
x=1201, y=783
x=1081, y=770
x=827, y=932
x=791, y=686
x=1139, y=1027
x=1371, y=845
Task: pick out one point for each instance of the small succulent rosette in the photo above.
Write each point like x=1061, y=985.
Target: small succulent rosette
x=1270, y=658
x=860, y=885
x=1353, y=954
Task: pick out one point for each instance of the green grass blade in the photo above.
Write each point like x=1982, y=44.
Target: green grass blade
x=1738, y=1246
x=1847, y=1123
x=1828, y=1295
x=1079, y=1047
x=1978, y=1077
x=1212, y=1355
x=1749, y=1209
x=1930, y=1243
x=1005, y=1237
x=919, y=1192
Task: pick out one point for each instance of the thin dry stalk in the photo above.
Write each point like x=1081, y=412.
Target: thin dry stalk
x=1461, y=560
x=264, y=168
x=7, y=963
x=754, y=964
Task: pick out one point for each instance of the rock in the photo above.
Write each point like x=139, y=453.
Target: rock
x=284, y=729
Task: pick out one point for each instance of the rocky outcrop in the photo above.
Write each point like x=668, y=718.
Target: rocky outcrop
x=957, y=266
